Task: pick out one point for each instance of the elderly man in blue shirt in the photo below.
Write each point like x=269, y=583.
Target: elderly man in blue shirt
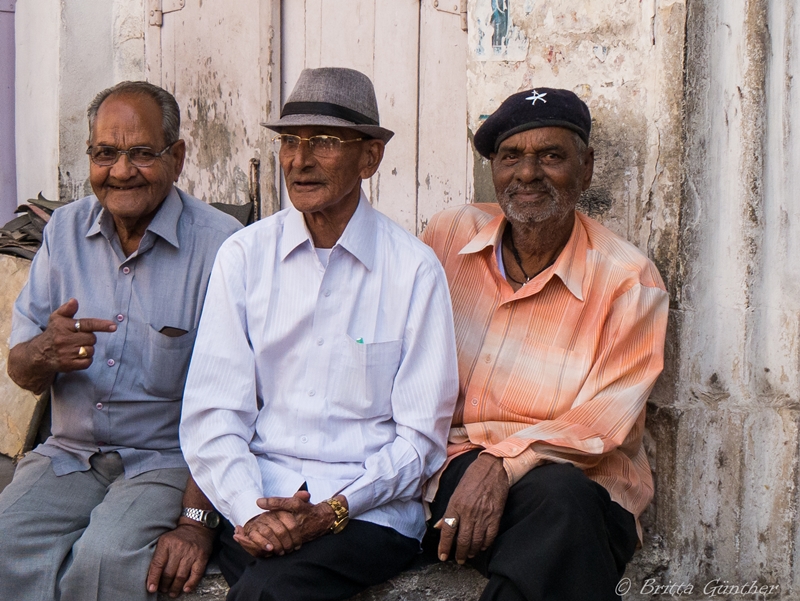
x=107, y=321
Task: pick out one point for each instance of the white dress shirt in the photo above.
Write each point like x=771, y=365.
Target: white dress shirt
x=343, y=377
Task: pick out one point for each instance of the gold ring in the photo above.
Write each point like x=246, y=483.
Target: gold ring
x=452, y=522
x=77, y=325
x=82, y=352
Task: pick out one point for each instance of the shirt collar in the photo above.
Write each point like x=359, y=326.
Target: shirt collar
x=358, y=237
x=569, y=266
x=163, y=224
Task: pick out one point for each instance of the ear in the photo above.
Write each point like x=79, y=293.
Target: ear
x=178, y=152
x=588, y=165
x=371, y=157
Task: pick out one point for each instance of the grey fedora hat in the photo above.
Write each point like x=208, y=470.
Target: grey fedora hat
x=334, y=97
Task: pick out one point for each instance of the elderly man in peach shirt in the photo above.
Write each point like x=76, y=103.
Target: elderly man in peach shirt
x=560, y=328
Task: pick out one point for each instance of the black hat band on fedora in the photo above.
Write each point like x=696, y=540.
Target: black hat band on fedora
x=328, y=109
x=333, y=97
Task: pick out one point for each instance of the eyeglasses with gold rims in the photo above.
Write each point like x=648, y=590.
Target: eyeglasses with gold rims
x=321, y=146
x=139, y=156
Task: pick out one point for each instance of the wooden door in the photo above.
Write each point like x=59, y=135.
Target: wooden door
x=416, y=57
x=217, y=58
x=232, y=64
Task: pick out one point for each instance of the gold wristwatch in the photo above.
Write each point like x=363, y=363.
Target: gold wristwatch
x=342, y=515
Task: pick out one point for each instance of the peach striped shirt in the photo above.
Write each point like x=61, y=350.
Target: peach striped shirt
x=560, y=370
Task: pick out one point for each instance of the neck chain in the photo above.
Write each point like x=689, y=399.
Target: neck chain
x=517, y=258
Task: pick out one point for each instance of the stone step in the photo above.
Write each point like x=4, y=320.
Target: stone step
x=425, y=580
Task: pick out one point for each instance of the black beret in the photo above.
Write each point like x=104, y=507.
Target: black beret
x=542, y=107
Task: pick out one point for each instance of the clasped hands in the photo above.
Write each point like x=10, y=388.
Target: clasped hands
x=285, y=525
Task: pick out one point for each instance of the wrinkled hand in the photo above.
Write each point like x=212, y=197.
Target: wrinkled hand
x=477, y=504
x=286, y=525
x=59, y=344
x=180, y=560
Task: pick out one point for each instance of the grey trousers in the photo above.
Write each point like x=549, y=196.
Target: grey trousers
x=85, y=536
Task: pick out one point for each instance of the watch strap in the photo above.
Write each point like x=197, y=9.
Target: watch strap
x=199, y=515
x=342, y=515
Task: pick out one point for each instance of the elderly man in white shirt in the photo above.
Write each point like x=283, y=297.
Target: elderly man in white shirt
x=324, y=375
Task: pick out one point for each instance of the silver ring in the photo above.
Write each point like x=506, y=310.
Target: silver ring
x=452, y=522
x=77, y=325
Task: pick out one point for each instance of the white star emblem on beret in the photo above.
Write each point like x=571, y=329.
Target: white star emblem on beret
x=536, y=96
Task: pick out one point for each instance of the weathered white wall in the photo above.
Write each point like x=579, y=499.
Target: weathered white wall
x=735, y=414
x=623, y=58
x=66, y=53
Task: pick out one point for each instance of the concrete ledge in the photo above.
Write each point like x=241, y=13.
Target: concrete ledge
x=426, y=580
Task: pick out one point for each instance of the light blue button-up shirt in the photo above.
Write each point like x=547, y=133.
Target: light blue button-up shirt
x=129, y=399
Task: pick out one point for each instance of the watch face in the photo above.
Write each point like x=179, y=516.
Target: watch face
x=212, y=519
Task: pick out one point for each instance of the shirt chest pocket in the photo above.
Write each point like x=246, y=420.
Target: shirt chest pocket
x=362, y=376
x=544, y=380
x=165, y=362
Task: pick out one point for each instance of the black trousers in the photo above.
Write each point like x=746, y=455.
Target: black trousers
x=561, y=536
x=335, y=566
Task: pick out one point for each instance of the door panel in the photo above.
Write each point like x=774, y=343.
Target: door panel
x=420, y=83
x=232, y=64
x=214, y=57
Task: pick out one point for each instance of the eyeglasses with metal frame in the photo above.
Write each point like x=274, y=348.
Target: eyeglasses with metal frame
x=139, y=156
x=321, y=146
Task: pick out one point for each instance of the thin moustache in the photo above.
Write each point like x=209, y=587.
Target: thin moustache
x=527, y=190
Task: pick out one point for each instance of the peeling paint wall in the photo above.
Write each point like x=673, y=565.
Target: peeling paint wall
x=623, y=58
x=216, y=59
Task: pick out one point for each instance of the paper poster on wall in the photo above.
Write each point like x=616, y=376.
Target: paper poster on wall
x=492, y=34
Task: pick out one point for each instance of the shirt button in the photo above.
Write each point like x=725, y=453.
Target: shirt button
x=110, y=362
x=320, y=341
x=304, y=439
x=101, y=443
x=126, y=270
x=475, y=402
x=120, y=317
x=487, y=358
x=312, y=392
x=327, y=293
x=99, y=405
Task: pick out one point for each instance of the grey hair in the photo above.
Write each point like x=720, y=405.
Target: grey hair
x=170, y=112
x=580, y=145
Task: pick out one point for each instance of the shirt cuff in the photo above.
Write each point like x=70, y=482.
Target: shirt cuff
x=516, y=465
x=244, y=507
x=23, y=333
x=360, y=498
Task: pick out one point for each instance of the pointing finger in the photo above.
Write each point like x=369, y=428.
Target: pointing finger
x=93, y=324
